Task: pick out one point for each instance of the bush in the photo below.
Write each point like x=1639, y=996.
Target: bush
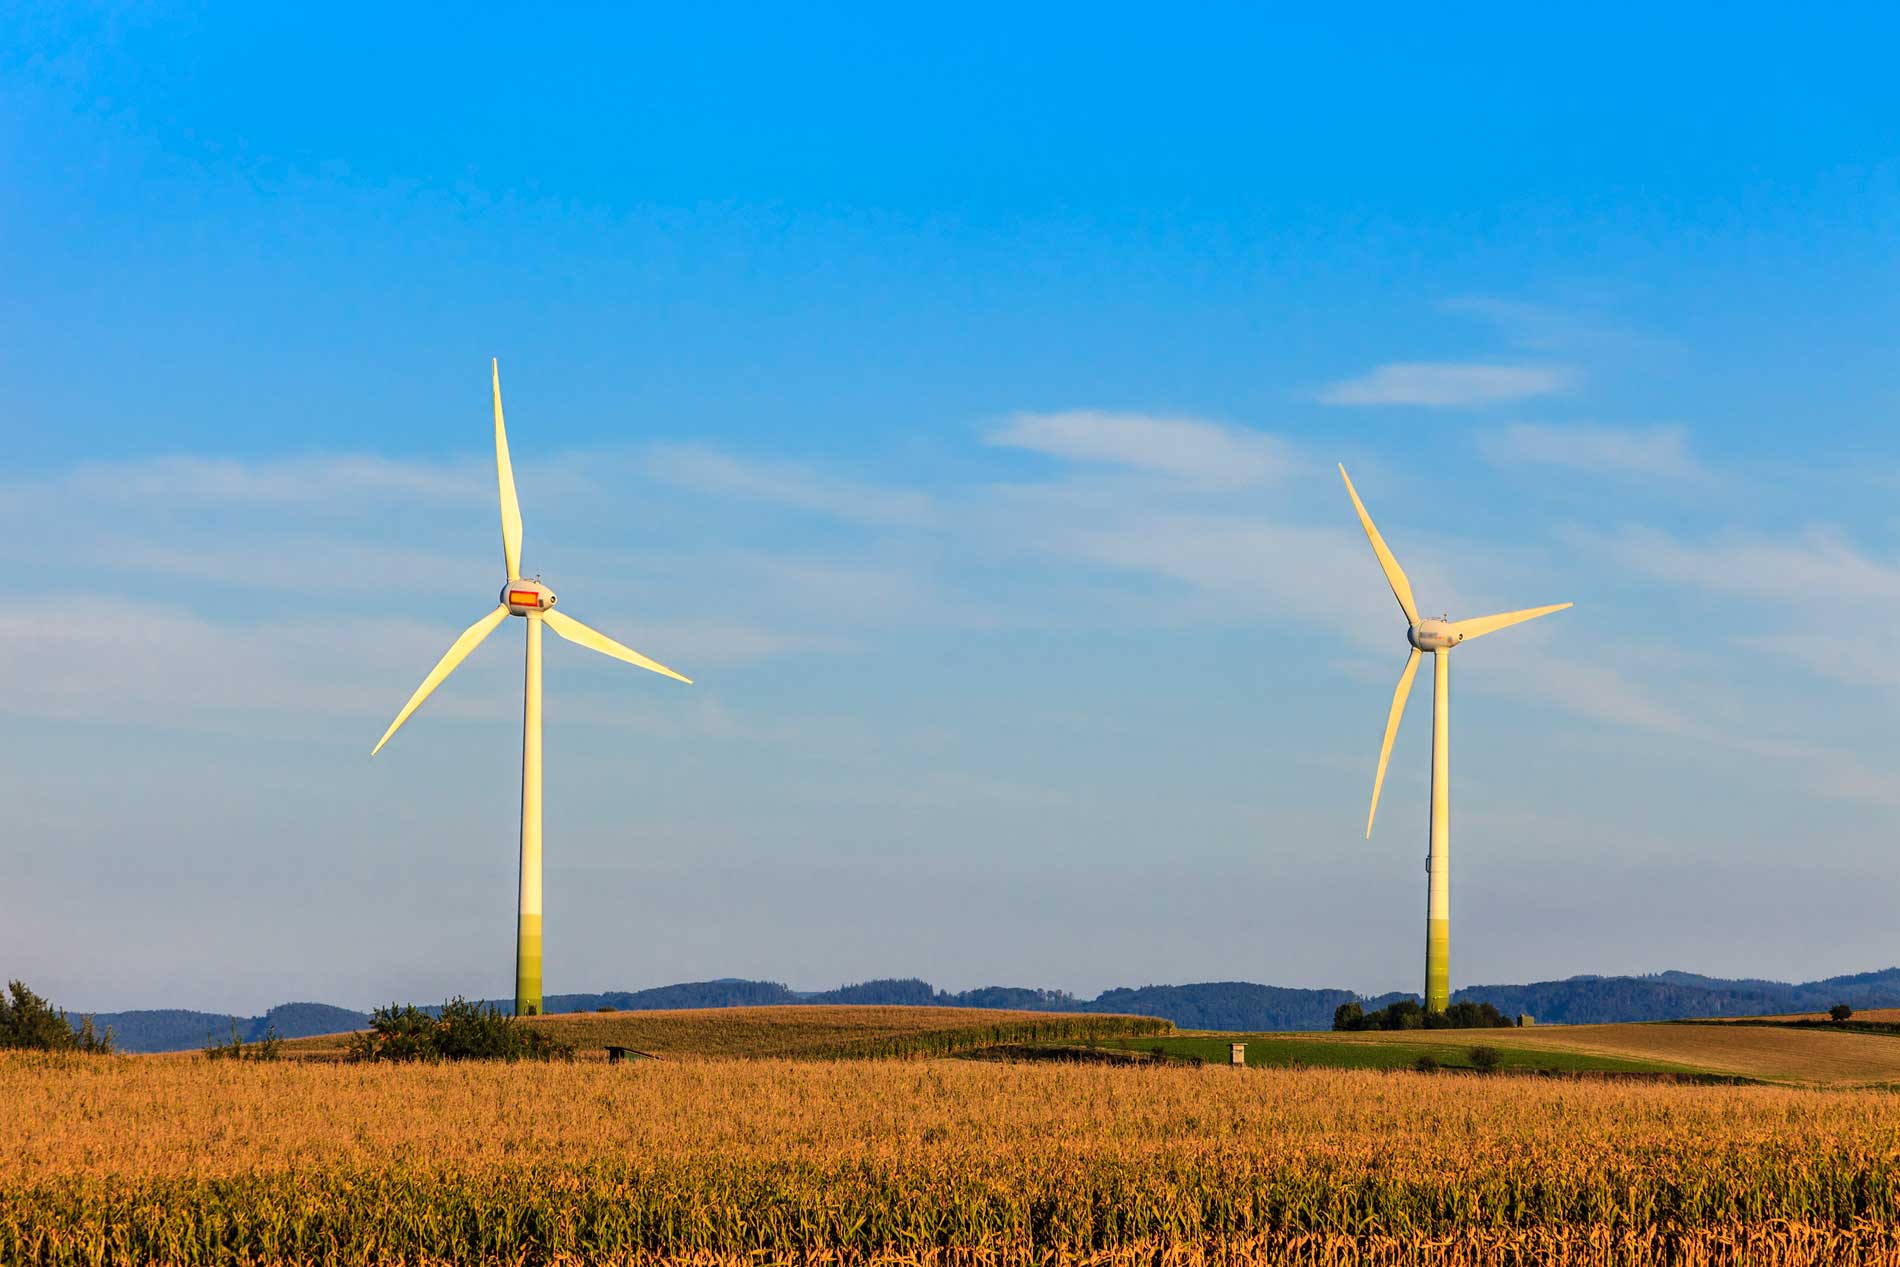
x=269, y=1047
x=30, y=1023
x=1407, y=1014
x=1425, y=1064
x=1486, y=1059
x=461, y=1031
x=1840, y=1011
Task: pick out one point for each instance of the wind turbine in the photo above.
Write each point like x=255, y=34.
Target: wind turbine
x=528, y=598
x=1438, y=636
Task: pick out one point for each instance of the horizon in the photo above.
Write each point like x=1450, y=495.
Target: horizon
x=963, y=422
x=1367, y=995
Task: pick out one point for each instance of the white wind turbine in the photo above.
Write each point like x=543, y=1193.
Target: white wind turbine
x=528, y=598
x=1437, y=636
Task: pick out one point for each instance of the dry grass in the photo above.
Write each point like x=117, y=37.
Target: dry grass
x=1806, y=1057
x=814, y=1032
x=186, y=1162
x=1884, y=1015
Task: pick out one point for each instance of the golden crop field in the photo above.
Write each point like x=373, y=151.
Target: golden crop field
x=804, y=1031
x=186, y=1161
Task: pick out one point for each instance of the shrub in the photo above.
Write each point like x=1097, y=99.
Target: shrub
x=1840, y=1011
x=28, y=1022
x=461, y=1031
x=269, y=1047
x=1425, y=1064
x=1407, y=1014
x=1486, y=1059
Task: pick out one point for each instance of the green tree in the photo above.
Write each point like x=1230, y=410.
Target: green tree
x=28, y=1022
x=1349, y=1016
x=1840, y=1011
x=460, y=1031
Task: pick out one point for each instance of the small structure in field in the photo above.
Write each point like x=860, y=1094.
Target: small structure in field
x=1237, y=1053
x=1525, y=1020
x=617, y=1054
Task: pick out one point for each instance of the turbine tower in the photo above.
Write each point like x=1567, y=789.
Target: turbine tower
x=529, y=599
x=1436, y=636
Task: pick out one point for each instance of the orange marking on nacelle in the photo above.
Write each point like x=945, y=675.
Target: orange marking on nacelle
x=524, y=598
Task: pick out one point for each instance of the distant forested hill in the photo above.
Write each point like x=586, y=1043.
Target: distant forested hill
x=1234, y=1005
x=1669, y=995
x=172, y=1029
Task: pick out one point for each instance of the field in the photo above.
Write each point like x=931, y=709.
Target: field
x=1797, y=1057
x=1382, y=1051
x=191, y=1161
x=840, y=1135
x=837, y=1032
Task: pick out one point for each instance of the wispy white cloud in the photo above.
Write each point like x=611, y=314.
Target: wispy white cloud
x=1540, y=327
x=1817, y=567
x=1817, y=600
x=312, y=480
x=1660, y=452
x=1189, y=449
x=794, y=484
x=1439, y=384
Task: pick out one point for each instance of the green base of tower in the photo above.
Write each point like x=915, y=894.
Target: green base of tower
x=528, y=967
x=1437, y=965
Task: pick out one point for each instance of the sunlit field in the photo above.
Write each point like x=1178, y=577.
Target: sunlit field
x=186, y=1161
x=814, y=1032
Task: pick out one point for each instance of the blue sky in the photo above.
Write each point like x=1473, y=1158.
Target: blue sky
x=957, y=401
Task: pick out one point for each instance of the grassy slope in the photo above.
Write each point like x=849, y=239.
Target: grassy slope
x=805, y=1030
x=1793, y=1056
x=1317, y=1051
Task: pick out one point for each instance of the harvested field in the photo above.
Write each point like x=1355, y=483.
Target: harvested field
x=1766, y=1053
x=817, y=1032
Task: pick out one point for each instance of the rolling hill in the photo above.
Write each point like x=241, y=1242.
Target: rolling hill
x=1214, y=1005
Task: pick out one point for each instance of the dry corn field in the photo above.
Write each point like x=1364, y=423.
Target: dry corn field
x=186, y=1161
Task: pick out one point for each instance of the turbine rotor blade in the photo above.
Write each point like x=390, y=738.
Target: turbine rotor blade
x=594, y=640
x=505, y=477
x=1479, y=626
x=1399, y=696
x=1394, y=574
x=457, y=652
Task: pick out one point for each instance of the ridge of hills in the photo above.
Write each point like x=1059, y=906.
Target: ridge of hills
x=1215, y=1005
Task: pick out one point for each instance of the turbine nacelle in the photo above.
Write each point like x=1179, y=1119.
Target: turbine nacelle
x=1434, y=635
x=524, y=598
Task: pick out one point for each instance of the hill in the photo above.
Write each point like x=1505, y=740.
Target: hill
x=1818, y=1057
x=175, y=1029
x=1682, y=995
x=1224, y=1005
x=807, y=1031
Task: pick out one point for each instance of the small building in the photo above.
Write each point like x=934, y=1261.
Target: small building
x=1525, y=1020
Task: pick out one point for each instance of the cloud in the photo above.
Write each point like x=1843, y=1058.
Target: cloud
x=1187, y=449
x=306, y=481
x=1646, y=451
x=803, y=487
x=1818, y=567
x=1826, y=605
x=1440, y=384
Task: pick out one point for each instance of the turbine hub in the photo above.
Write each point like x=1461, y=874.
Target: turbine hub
x=1433, y=635
x=526, y=598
